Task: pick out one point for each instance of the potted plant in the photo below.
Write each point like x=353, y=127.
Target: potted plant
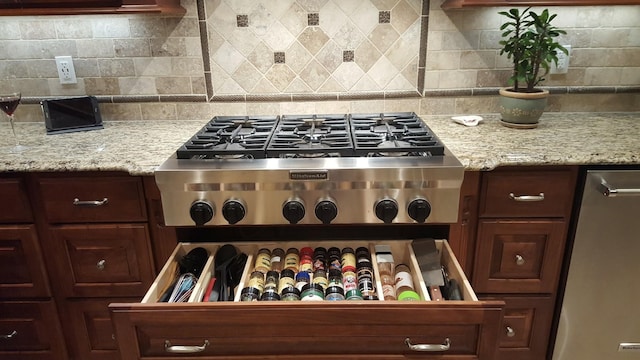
x=529, y=40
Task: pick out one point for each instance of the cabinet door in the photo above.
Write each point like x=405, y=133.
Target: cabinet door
x=30, y=330
x=102, y=260
x=519, y=256
x=22, y=272
x=15, y=204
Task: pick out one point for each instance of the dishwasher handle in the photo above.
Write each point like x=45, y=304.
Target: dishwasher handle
x=611, y=191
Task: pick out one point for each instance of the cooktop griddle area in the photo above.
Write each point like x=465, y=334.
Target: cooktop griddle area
x=327, y=169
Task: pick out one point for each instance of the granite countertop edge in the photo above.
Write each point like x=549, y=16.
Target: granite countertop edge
x=139, y=147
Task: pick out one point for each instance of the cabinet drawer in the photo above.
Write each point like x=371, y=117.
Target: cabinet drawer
x=525, y=328
x=102, y=260
x=22, y=272
x=518, y=256
x=30, y=330
x=524, y=194
x=93, y=199
x=15, y=204
x=233, y=329
x=89, y=324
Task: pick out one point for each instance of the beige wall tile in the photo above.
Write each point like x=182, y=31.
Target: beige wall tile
x=160, y=111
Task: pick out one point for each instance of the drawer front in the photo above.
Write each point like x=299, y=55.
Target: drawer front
x=522, y=194
x=93, y=199
x=22, y=272
x=103, y=260
x=525, y=328
x=228, y=330
x=518, y=256
x=15, y=204
x=30, y=330
x=233, y=329
x=90, y=326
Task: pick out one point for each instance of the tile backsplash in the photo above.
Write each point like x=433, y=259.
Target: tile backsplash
x=233, y=56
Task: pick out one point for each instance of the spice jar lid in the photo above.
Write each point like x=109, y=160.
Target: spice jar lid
x=290, y=290
x=334, y=290
x=287, y=273
x=409, y=295
x=250, y=291
x=270, y=296
x=354, y=294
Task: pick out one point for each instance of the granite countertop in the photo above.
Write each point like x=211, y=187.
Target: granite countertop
x=138, y=147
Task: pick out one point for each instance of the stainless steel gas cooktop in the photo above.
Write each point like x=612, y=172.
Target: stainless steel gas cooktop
x=311, y=169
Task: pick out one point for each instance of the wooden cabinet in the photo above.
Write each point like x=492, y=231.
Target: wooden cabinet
x=98, y=247
x=457, y=4
x=524, y=215
x=293, y=330
x=29, y=326
x=73, y=7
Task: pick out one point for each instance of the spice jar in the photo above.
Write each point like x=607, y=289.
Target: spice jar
x=335, y=278
x=366, y=283
x=271, y=281
x=348, y=259
x=349, y=281
x=312, y=292
x=302, y=279
x=277, y=259
x=320, y=278
x=354, y=294
x=334, y=293
x=292, y=259
x=306, y=260
x=403, y=279
x=319, y=259
x=286, y=280
x=334, y=256
x=290, y=293
x=270, y=295
x=249, y=294
x=263, y=261
x=256, y=281
x=388, y=281
x=363, y=254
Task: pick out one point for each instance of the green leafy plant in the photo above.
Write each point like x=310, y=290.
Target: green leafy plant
x=530, y=42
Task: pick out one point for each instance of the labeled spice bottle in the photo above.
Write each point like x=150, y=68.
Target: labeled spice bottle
x=335, y=278
x=249, y=294
x=302, y=279
x=334, y=262
x=334, y=293
x=363, y=254
x=292, y=259
x=320, y=278
x=277, y=259
x=286, y=280
x=366, y=283
x=263, y=261
x=256, y=281
x=319, y=259
x=348, y=259
x=271, y=281
x=403, y=279
x=312, y=292
x=306, y=260
x=388, y=281
x=349, y=281
x=354, y=294
x=290, y=293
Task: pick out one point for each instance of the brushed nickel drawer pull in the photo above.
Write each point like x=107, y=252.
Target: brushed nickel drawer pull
x=519, y=259
x=182, y=349
x=526, y=198
x=510, y=331
x=9, y=336
x=78, y=202
x=100, y=264
x=610, y=191
x=428, y=347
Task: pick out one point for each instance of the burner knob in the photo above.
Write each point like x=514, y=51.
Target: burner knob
x=233, y=211
x=293, y=211
x=201, y=212
x=419, y=210
x=326, y=210
x=386, y=210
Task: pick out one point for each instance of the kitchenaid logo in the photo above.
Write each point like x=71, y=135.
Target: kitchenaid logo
x=309, y=175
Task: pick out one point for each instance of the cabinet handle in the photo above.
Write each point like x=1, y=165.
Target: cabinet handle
x=78, y=202
x=610, y=191
x=510, y=331
x=9, y=336
x=428, y=347
x=526, y=198
x=181, y=349
x=519, y=260
x=100, y=264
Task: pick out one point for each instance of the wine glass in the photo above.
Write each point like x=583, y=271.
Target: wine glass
x=9, y=103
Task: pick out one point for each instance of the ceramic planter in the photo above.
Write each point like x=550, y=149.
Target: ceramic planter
x=522, y=110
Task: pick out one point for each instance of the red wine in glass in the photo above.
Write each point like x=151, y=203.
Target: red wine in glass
x=9, y=104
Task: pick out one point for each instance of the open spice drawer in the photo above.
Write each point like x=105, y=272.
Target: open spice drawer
x=385, y=329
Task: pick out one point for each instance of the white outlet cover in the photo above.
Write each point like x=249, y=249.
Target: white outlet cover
x=66, y=71
x=563, y=62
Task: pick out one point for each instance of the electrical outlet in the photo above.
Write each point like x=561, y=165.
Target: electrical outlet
x=563, y=62
x=66, y=72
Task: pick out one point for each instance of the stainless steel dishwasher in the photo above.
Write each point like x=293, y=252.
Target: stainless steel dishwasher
x=600, y=315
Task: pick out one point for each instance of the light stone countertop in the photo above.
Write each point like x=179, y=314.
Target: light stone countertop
x=138, y=147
